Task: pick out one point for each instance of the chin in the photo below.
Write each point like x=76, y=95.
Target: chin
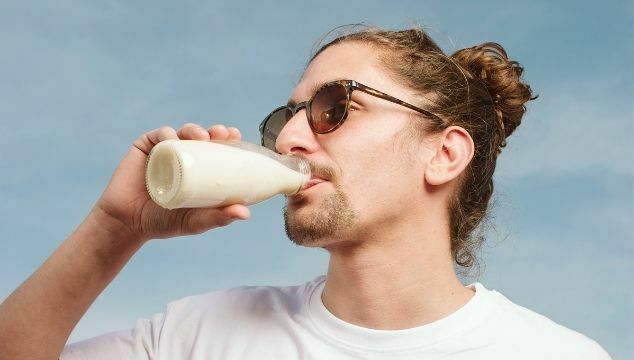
x=317, y=221
x=302, y=227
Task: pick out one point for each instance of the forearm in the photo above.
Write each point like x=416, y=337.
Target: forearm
x=38, y=317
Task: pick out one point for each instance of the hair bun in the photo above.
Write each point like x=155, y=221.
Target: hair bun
x=490, y=64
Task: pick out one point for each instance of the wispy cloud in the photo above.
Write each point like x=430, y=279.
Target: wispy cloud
x=81, y=80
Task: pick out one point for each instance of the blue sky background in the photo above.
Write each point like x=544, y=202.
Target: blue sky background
x=79, y=81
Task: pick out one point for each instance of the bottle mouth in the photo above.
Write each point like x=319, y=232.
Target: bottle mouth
x=304, y=169
x=163, y=174
x=301, y=166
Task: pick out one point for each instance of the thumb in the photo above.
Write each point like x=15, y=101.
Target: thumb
x=201, y=220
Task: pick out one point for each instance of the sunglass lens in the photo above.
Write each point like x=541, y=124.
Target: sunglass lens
x=328, y=108
x=273, y=125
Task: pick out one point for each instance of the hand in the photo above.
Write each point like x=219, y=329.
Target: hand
x=126, y=204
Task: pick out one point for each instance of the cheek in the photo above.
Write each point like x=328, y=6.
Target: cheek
x=374, y=166
x=379, y=179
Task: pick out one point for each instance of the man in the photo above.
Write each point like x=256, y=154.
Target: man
x=402, y=140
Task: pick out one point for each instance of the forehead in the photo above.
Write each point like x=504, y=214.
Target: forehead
x=350, y=61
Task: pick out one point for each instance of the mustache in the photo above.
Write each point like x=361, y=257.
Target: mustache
x=320, y=170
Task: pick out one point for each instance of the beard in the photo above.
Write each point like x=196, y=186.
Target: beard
x=333, y=216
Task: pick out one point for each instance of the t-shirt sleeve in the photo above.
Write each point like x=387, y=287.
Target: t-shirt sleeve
x=140, y=343
x=591, y=351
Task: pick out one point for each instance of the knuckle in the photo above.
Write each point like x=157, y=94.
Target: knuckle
x=165, y=130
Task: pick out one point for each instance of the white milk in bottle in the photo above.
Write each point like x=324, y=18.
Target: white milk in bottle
x=192, y=173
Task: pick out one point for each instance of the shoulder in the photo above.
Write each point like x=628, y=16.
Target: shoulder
x=534, y=332
x=243, y=301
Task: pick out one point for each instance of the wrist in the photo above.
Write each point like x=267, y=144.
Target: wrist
x=101, y=222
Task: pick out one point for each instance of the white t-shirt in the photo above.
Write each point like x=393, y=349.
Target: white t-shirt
x=293, y=323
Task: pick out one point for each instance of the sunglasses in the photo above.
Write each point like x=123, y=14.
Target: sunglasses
x=326, y=110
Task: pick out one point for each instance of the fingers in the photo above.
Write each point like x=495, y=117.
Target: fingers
x=221, y=132
x=192, y=131
x=146, y=142
x=237, y=212
x=234, y=134
x=162, y=134
x=189, y=131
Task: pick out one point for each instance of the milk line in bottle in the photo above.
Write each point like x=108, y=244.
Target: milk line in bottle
x=194, y=173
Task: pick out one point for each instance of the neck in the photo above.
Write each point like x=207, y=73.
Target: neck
x=393, y=281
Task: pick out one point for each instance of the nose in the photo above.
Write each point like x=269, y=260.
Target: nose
x=297, y=136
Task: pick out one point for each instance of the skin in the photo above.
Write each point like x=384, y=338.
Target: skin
x=390, y=268
x=38, y=317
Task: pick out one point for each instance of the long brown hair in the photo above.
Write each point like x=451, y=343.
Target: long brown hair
x=477, y=88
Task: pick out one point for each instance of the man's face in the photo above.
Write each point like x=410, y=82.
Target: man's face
x=365, y=177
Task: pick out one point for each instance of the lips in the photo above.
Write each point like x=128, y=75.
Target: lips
x=312, y=182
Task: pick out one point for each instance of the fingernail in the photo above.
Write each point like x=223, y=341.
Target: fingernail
x=228, y=220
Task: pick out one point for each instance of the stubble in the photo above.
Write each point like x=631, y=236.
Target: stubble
x=331, y=217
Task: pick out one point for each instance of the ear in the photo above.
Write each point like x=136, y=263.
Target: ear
x=453, y=152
